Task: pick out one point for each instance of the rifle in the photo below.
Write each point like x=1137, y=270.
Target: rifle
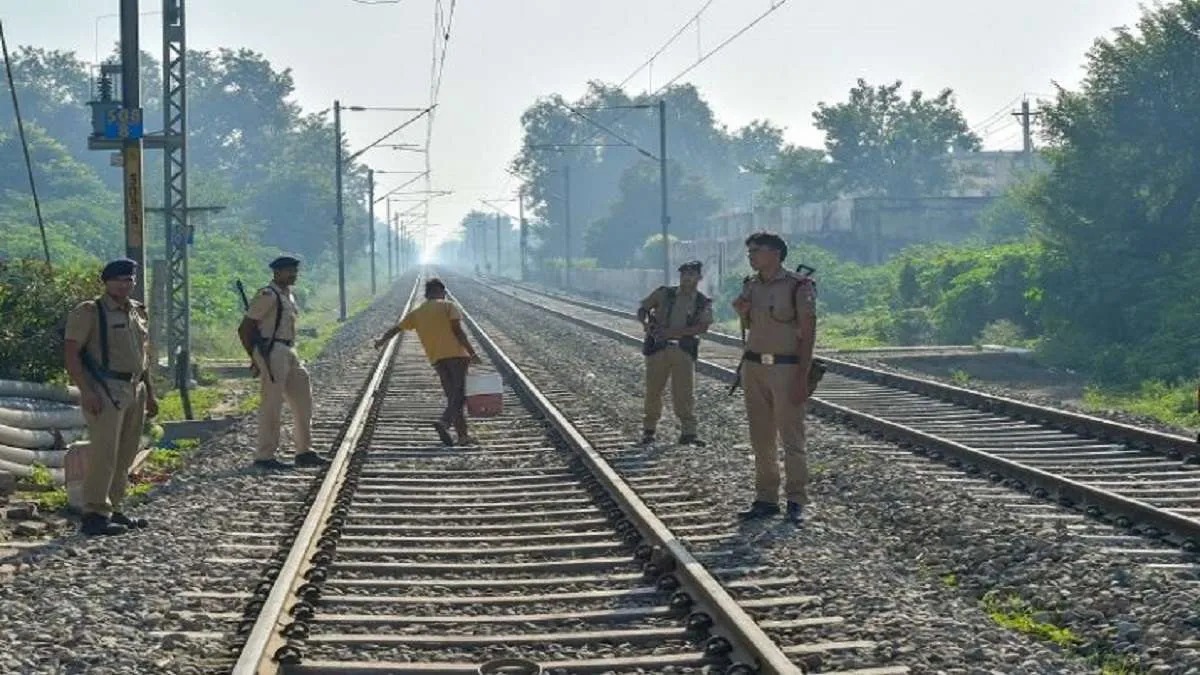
x=257, y=338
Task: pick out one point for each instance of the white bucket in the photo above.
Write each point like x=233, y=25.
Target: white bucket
x=75, y=469
x=485, y=394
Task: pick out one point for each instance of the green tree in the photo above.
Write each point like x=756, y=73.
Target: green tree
x=797, y=175
x=615, y=239
x=880, y=144
x=1118, y=211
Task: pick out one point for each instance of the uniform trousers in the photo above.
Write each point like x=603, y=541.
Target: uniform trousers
x=678, y=366
x=772, y=415
x=291, y=383
x=115, y=436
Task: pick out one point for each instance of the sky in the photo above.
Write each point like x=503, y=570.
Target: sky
x=504, y=54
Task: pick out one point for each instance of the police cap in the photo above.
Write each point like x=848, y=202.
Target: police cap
x=284, y=262
x=692, y=266
x=121, y=267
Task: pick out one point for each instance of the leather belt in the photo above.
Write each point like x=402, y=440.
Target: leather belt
x=771, y=359
x=283, y=342
x=671, y=342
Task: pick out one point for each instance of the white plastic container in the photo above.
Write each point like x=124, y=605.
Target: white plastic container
x=485, y=394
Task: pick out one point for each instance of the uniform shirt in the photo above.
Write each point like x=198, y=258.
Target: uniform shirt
x=432, y=320
x=685, y=303
x=128, y=334
x=262, y=309
x=774, y=324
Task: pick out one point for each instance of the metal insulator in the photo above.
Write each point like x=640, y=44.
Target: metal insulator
x=651, y=571
x=322, y=558
x=296, y=629
x=280, y=555
x=252, y=608
x=289, y=653
x=1040, y=493
x=741, y=669
x=972, y=469
x=1094, y=511
x=327, y=542
x=681, y=603
x=510, y=667
x=243, y=628
x=642, y=553
x=1190, y=546
x=270, y=572
x=1064, y=500
x=936, y=455
x=1174, y=454
x=1123, y=521
x=920, y=450
x=667, y=583
x=995, y=477
x=263, y=589
x=699, y=623
x=1192, y=460
x=104, y=87
x=954, y=462
x=316, y=575
x=1152, y=533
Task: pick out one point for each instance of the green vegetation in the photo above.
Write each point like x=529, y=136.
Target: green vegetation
x=1173, y=404
x=1015, y=614
x=253, y=151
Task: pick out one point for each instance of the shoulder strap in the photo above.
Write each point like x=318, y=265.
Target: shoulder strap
x=278, y=312
x=102, y=318
x=696, y=307
x=670, y=304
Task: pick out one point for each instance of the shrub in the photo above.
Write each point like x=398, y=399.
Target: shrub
x=34, y=303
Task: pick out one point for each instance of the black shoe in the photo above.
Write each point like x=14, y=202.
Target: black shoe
x=308, y=459
x=272, y=464
x=129, y=523
x=690, y=439
x=94, y=524
x=443, y=433
x=759, y=510
x=795, y=512
x=647, y=437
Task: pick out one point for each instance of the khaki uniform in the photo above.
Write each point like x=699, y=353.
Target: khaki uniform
x=673, y=362
x=776, y=309
x=115, y=433
x=287, y=378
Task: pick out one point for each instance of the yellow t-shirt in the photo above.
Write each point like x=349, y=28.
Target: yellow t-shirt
x=432, y=322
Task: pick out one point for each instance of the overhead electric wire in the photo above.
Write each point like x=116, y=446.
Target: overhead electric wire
x=12, y=86
x=668, y=43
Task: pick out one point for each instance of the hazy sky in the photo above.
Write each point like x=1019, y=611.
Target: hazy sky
x=503, y=54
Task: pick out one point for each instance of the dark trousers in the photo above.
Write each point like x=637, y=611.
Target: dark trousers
x=453, y=373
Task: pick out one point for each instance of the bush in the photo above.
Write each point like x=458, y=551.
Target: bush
x=1002, y=332
x=34, y=303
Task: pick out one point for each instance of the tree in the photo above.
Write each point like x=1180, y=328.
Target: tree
x=797, y=175
x=1118, y=210
x=880, y=144
x=615, y=239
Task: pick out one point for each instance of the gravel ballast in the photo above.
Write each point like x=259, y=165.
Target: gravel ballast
x=902, y=556
x=92, y=605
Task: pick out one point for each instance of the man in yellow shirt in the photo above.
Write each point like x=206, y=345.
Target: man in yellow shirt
x=438, y=323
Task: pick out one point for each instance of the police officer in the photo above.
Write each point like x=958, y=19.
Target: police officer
x=673, y=317
x=268, y=333
x=106, y=355
x=778, y=308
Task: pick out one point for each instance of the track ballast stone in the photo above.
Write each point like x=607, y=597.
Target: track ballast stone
x=901, y=555
x=90, y=605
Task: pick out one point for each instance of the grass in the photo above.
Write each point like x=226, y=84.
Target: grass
x=204, y=399
x=960, y=377
x=1013, y=613
x=846, y=331
x=1172, y=404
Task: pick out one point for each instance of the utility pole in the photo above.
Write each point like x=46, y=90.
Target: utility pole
x=662, y=178
x=498, y=244
x=391, y=268
x=1026, y=118
x=339, y=218
x=567, y=217
x=371, y=220
x=401, y=244
x=176, y=211
x=524, y=233
x=131, y=150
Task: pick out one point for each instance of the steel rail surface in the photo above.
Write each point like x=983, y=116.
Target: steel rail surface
x=257, y=656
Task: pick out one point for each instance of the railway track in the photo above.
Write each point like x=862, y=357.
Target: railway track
x=1143, y=483
x=548, y=547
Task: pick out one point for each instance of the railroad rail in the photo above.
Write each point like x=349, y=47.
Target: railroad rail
x=1139, y=479
x=534, y=551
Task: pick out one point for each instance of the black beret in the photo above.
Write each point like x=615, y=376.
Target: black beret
x=121, y=267
x=692, y=266
x=284, y=262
